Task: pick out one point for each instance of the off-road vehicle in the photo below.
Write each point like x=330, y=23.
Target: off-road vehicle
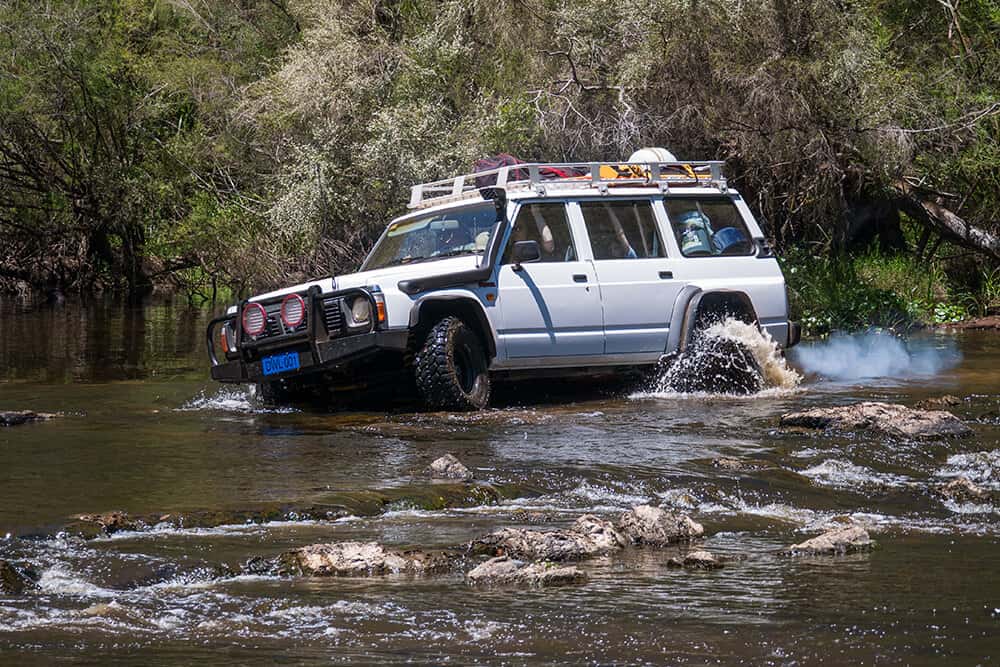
x=517, y=272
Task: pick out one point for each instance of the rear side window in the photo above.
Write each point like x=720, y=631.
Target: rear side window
x=707, y=227
x=548, y=225
x=622, y=229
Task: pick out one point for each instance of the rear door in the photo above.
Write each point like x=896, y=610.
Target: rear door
x=639, y=279
x=550, y=308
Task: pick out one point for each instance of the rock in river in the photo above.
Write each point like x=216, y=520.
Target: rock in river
x=356, y=559
x=18, y=417
x=894, y=420
x=696, y=560
x=449, y=467
x=837, y=541
x=92, y=525
x=588, y=536
x=962, y=490
x=654, y=526
x=506, y=570
x=15, y=580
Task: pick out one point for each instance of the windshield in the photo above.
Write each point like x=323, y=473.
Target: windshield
x=464, y=231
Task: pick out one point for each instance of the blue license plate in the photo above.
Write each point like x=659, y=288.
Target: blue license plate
x=279, y=363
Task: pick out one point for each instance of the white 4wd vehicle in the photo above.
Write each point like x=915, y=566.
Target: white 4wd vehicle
x=521, y=271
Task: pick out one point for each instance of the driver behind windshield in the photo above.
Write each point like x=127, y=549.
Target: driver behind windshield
x=454, y=239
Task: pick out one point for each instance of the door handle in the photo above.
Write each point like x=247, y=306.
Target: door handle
x=580, y=277
x=667, y=275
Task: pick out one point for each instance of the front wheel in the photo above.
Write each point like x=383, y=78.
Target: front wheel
x=451, y=368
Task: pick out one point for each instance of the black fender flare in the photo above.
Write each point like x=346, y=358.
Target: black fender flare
x=690, y=303
x=463, y=305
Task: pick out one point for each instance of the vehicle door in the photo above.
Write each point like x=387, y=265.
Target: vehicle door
x=639, y=281
x=552, y=307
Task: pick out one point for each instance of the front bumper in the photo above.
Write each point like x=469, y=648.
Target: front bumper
x=322, y=344
x=322, y=356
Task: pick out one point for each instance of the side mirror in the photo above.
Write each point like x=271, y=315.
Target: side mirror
x=524, y=252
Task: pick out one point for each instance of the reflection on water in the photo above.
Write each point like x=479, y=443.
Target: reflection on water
x=147, y=433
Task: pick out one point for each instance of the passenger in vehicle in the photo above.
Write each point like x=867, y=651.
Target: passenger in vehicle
x=622, y=249
x=453, y=239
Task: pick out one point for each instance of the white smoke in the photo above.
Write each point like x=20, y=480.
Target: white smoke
x=873, y=355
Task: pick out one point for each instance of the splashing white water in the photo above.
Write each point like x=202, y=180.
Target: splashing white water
x=243, y=400
x=875, y=354
x=776, y=371
x=731, y=358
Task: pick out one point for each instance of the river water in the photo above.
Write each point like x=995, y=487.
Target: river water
x=145, y=431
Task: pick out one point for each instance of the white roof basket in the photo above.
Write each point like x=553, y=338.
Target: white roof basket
x=545, y=177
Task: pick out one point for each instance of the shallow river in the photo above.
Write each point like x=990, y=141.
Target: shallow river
x=145, y=432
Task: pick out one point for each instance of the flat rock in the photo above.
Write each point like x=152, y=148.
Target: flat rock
x=18, y=417
x=588, y=536
x=654, y=526
x=696, y=560
x=938, y=402
x=449, y=467
x=15, y=580
x=358, y=559
x=833, y=542
x=889, y=418
x=108, y=522
x=505, y=570
x=961, y=489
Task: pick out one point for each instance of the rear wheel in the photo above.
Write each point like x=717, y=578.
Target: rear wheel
x=451, y=368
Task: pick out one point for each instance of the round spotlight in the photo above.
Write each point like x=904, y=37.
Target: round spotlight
x=293, y=311
x=254, y=319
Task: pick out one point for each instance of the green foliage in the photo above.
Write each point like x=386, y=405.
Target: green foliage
x=253, y=143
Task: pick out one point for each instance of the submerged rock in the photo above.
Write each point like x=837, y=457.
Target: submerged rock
x=506, y=570
x=837, y=541
x=654, y=526
x=18, y=417
x=588, y=536
x=449, y=467
x=889, y=418
x=696, y=560
x=15, y=580
x=961, y=489
x=357, y=559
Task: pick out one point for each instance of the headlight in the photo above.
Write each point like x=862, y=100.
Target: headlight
x=293, y=310
x=361, y=311
x=254, y=319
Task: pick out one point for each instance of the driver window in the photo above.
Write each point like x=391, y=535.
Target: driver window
x=707, y=227
x=546, y=224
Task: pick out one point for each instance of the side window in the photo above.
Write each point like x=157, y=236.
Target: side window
x=707, y=227
x=622, y=229
x=547, y=224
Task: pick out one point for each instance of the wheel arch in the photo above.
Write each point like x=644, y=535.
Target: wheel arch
x=430, y=309
x=694, y=304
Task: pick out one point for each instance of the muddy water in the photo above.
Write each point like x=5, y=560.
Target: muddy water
x=146, y=433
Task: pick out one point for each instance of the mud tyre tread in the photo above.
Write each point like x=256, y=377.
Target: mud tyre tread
x=451, y=368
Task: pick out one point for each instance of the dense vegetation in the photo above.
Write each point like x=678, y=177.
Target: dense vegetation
x=232, y=144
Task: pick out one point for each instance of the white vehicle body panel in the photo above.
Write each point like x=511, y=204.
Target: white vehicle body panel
x=585, y=312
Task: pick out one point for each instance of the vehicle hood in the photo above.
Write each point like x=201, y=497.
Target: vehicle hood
x=388, y=277
x=385, y=278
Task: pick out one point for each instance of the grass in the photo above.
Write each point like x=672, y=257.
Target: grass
x=895, y=291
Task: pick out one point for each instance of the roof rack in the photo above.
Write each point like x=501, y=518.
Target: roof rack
x=544, y=177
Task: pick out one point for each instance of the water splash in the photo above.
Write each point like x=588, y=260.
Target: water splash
x=729, y=358
x=875, y=354
x=242, y=400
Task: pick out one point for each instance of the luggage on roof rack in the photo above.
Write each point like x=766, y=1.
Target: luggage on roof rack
x=506, y=171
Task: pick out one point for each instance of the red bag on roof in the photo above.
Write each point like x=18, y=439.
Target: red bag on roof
x=507, y=160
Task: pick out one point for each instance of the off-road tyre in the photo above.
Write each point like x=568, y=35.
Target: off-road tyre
x=451, y=368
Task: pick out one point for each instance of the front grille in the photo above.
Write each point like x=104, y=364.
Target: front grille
x=333, y=316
